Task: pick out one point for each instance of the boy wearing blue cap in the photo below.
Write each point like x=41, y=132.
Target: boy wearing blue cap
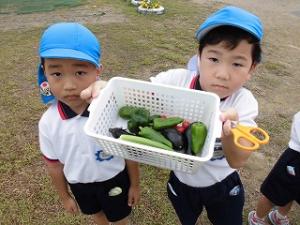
x=282, y=185
x=104, y=186
x=229, y=50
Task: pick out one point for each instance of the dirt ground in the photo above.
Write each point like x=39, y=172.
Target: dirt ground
x=278, y=93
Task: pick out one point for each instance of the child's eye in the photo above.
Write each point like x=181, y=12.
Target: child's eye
x=213, y=59
x=80, y=73
x=56, y=74
x=237, y=65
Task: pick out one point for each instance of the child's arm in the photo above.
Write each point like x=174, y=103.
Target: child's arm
x=235, y=156
x=134, y=176
x=93, y=90
x=55, y=170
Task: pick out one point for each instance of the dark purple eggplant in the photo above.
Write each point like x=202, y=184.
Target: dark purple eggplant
x=177, y=139
x=116, y=132
x=188, y=137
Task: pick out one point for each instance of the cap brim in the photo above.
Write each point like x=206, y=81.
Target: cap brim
x=203, y=32
x=68, y=54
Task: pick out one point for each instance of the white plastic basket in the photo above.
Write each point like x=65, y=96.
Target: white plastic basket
x=158, y=99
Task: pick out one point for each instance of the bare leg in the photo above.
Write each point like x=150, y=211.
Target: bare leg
x=264, y=205
x=100, y=218
x=285, y=209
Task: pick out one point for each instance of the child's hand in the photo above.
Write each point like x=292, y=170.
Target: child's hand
x=226, y=117
x=70, y=205
x=235, y=157
x=133, y=196
x=93, y=90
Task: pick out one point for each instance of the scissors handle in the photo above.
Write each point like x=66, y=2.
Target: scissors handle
x=255, y=135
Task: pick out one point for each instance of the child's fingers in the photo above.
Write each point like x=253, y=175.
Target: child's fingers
x=86, y=94
x=133, y=201
x=97, y=87
x=92, y=91
x=76, y=211
x=130, y=201
x=73, y=208
x=227, y=128
x=229, y=114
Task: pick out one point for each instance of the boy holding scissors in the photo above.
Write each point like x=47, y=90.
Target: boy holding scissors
x=229, y=51
x=282, y=185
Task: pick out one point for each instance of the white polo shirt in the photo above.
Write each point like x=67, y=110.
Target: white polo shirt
x=294, y=142
x=216, y=169
x=62, y=138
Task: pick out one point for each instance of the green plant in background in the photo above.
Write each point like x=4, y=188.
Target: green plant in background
x=150, y=4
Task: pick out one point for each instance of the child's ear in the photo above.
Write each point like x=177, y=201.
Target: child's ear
x=99, y=69
x=253, y=68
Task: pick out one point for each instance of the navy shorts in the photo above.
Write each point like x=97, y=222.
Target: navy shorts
x=223, y=201
x=282, y=185
x=109, y=196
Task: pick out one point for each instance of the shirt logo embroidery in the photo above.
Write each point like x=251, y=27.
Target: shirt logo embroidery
x=101, y=156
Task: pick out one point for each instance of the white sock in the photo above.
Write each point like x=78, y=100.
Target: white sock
x=280, y=216
x=255, y=215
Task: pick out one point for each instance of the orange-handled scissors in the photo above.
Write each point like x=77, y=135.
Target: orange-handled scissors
x=255, y=135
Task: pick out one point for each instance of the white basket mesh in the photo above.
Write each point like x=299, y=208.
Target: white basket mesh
x=158, y=99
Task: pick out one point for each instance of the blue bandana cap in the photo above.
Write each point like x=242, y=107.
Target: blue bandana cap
x=66, y=41
x=232, y=16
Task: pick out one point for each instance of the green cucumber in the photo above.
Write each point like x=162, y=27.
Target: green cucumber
x=144, y=141
x=150, y=133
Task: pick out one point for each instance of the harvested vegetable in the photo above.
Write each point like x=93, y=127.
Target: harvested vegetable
x=125, y=112
x=162, y=123
x=177, y=139
x=195, y=135
x=133, y=126
x=150, y=133
x=136, y=116
x=199, y=132
x=181, y=127
x=188, y=138
x=140, y=116
x=153, y=117
x=116, y=132
x=144, y=141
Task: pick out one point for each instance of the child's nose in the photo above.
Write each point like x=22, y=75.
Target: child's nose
x=69, y=84
x=222, y=73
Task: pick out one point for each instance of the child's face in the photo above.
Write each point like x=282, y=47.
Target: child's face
x=223, y=71
x=67, y=78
